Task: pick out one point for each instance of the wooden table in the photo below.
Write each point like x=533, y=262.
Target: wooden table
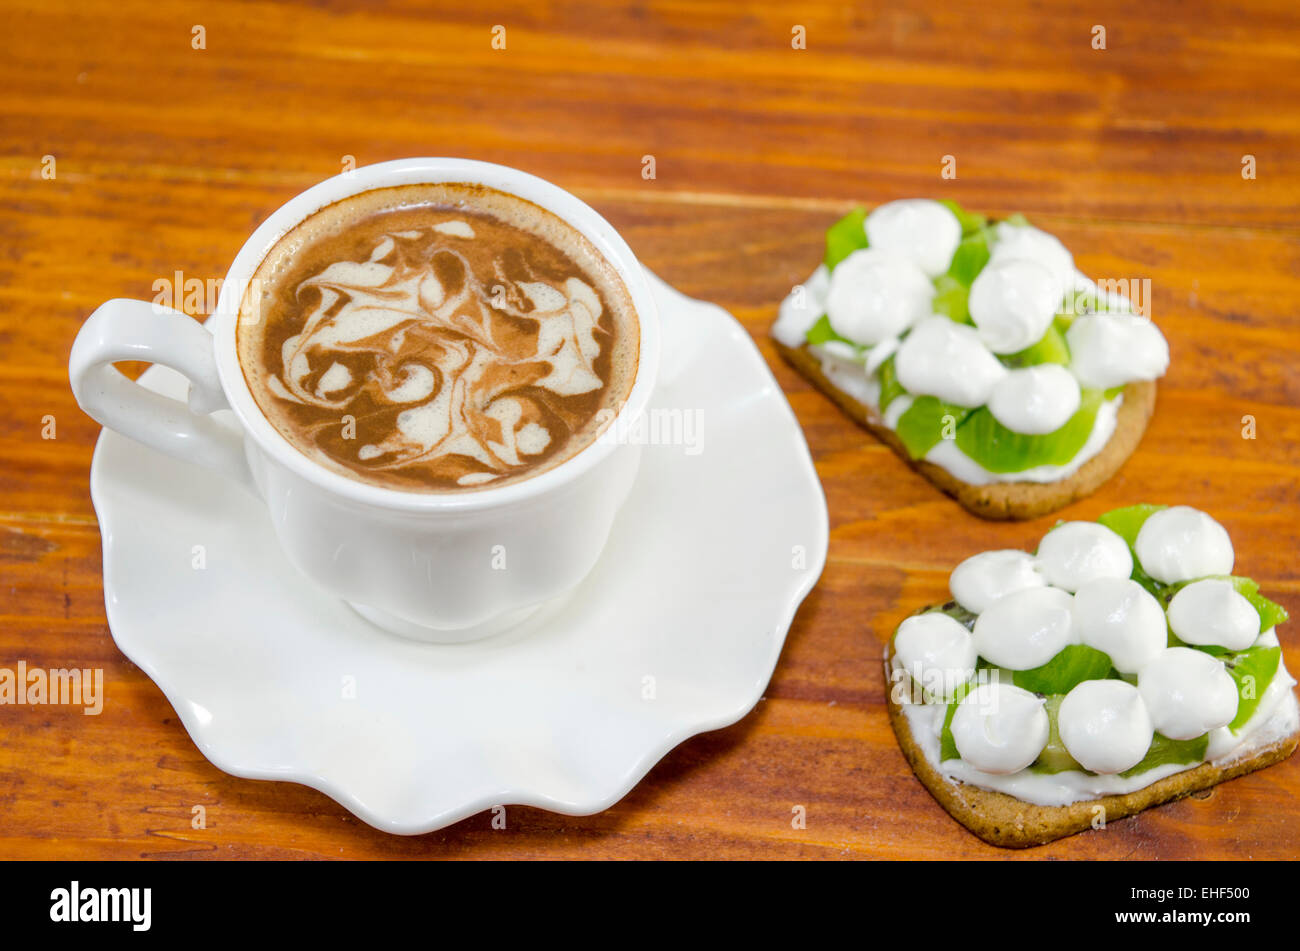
x=166, y=156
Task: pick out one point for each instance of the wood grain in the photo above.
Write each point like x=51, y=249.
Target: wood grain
x=168, y=156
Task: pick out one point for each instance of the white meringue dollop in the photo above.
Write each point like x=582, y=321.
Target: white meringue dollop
x=1012, y=303
x=876, y=294
x=1104, y=725
x=1000, y=728
x=1027, y=243
x=981, y=579
x=1025, y=629
x=936, y=651
x=1113, y=349
x=1213, y=612
x=1075, y=553
x=1182, y=544
x=1035, y=400
x=924, y=231
x=1187, y=692
x=946, y=359
x=1122, y=619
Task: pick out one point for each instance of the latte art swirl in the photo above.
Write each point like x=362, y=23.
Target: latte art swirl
x=454, y=353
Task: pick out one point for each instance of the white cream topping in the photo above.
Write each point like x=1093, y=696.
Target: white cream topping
x=1187, y=692
x=1027, y=243
x=946, y=359
x=1025, y=629
x=1213, y=612
x=847, y=374
x=802, y=307
x=1111, y=349
x=1035, y=400
x=876, y=294
x=1105, y=726
x=1075, y=553
x=1000, y=728
x=937, y=651
x=925, y=232
x=981, y=579
x=1122, y=619
x=1013, y=302
x=1182, y=543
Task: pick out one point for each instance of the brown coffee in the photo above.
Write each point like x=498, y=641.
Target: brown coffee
x=437, y=338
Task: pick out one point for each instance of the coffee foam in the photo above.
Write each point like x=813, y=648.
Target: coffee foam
x=437, y=337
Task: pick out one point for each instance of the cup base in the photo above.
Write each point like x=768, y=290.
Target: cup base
x=436, y=635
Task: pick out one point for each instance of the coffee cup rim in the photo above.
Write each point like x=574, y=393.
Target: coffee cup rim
x=432, y=170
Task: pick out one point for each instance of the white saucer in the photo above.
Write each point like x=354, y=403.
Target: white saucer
x=676, y=631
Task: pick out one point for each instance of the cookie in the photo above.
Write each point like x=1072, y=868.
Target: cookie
x=1118, y=666
x=1012, y=823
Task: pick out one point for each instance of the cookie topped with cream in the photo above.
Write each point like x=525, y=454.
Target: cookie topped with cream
x=978, y=345
x=1119, y=653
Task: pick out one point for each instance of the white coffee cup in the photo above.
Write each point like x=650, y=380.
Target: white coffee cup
x=438, y=567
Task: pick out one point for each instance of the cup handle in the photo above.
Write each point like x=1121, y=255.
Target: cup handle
x=138, y=330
